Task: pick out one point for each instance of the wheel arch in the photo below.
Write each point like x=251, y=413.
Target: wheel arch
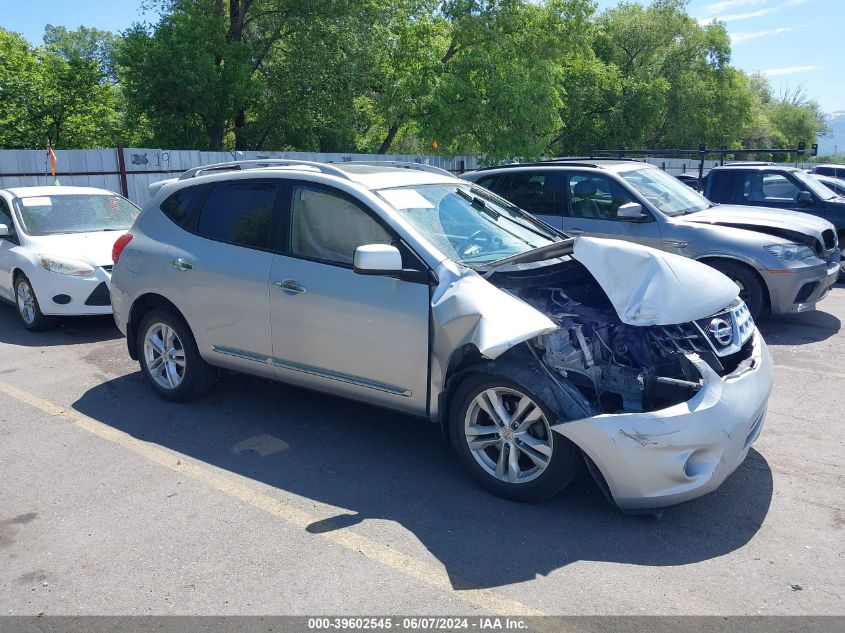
x=711, y=259
x=140, y=308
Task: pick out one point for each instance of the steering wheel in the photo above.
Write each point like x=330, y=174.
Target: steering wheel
x=479, y=237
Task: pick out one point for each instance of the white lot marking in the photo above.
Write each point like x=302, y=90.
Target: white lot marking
x=263, y=444
x=487, y=600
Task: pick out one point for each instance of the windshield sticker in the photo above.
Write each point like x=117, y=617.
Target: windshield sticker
x=406, y=199
x=37, y=202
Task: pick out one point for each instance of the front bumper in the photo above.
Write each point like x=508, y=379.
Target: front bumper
x=66, y=295
x=660, y=458
x=785, y=288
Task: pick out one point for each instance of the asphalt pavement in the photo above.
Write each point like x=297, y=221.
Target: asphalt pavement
x=266, y=499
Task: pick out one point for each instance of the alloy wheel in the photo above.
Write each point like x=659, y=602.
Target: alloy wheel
x=508, y=435
x=26, y=302
x=164, y=356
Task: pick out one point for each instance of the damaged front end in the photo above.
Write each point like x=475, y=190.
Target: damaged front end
x=668, y=358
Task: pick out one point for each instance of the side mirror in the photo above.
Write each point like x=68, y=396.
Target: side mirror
x=805, y=199
x=4, y=231
x=377, y=259
x=631, y=212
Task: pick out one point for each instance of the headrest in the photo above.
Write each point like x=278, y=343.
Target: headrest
x=585, y=189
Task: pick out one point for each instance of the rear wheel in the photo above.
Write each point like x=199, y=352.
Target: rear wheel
x=750, y=287
x=502, y=434
x=29, y=312
x=169, y=358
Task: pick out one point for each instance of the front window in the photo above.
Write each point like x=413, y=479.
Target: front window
x=669, y=195
x=74, y=213
x=814, y=185
x=466, y=223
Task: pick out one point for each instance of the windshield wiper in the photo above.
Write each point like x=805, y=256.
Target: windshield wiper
x=479, y=204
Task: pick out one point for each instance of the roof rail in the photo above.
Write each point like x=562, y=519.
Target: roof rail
x=264, y=162
x=403, y=164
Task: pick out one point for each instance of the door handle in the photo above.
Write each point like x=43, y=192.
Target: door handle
x=574, y=231
x=676, y=243
x=181, y=264
x=290, y=286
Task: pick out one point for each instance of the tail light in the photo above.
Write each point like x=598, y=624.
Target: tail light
x=119, y=245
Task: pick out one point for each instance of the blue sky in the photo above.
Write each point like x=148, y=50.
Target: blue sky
x=793, y=42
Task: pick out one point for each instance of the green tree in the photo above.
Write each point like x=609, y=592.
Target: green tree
x=65, y=98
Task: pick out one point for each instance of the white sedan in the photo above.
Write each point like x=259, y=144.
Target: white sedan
x=55, y=250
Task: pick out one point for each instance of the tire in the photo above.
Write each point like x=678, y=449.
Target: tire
x=751, y=289
x=29, y=312
x=561, y=467
x=183, y=375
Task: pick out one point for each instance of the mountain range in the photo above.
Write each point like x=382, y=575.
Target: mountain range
x=835, y=143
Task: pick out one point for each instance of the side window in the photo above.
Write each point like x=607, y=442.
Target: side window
x=239, y=213
x=6, y=216
x=595, y=197
x=768, y=187
x=539, y=193
x=178, y=206
x=329, y=227
x=487, y=182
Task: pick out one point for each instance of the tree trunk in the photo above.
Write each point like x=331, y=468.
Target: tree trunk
x=215, y=137
x=240, y=129
x=388, y=140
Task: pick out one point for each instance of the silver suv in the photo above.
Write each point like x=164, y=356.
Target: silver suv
x=782, y=261
x=420, y=292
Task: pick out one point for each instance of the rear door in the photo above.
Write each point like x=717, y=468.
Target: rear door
x=362, y=336
x=593, y=202
x=217, y=273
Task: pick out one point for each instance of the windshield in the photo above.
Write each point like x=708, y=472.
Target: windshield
x=814, y=185
x=75, y=213
x=667, y=193
x=467, y=223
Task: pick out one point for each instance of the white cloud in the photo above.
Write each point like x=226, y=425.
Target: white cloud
x=789, y=70
x=718, y=7
x=759, y=13
x=739, y=38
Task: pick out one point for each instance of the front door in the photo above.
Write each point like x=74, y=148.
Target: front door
x=334, y=330
x=7, y=256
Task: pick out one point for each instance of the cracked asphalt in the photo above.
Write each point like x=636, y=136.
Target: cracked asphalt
x=266, y=499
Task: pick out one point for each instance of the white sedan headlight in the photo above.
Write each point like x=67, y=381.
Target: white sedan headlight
x=65, y=266
x=791, y=252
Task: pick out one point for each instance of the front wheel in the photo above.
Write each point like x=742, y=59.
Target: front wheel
x=751, y=289
x=29, y=312
x=169, y=358
x=502, y=434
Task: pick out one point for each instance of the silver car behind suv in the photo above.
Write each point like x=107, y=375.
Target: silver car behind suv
x=782, y=261
x=416, y=291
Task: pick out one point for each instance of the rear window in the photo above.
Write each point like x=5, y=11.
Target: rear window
x=239, y=213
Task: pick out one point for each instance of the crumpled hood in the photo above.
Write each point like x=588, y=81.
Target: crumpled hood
x=650, y=287
x=94, y=248
x=762, y=218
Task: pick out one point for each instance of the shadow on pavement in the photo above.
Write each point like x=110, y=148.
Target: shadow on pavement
x=800, y=329
x=380, y=464
x=68, y=330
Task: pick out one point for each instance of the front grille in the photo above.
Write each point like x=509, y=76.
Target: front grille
x=829, y=239
x=100, y=297
x=684, y=338
x=108, y=268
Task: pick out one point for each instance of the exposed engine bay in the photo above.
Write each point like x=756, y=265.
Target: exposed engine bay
x=620, y=367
